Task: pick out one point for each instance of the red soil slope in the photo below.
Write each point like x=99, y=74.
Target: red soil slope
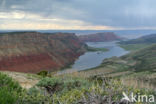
x=33, y=52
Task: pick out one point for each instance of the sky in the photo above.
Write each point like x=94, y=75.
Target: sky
x=77, y=14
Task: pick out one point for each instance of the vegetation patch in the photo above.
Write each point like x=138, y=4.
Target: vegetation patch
x=67, y=89
x=93, y=49
x=133, y=47
x=9, y=90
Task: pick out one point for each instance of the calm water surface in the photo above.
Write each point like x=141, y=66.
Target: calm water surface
x=94, y=59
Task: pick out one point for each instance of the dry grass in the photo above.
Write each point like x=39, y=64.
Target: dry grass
x=135, y=83
x=128, y=78
x=25, y=80
x=119, y=74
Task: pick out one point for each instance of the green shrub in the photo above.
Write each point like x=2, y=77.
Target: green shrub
x=52, y=85
x=71, y=90
x=60, y=85
x=43, y=73
x=9, y=90
x=76, y=83
x=33, y=96
x=7, y=97
x=70, y=97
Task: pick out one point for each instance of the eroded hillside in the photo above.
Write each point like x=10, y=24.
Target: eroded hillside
x=33, y=51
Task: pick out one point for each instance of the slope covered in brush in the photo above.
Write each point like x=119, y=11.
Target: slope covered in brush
x=143, y=59
x=136, y=69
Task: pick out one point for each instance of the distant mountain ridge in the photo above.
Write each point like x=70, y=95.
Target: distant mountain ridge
x=144, y=39
x=100, y=37
x=34, y=51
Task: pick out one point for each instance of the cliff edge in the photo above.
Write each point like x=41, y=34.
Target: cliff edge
x=33, y=52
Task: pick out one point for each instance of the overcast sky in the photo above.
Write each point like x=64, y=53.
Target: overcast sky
x=78, y=14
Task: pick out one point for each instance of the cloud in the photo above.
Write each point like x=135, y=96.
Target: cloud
x=53, y=24
x=87, y=13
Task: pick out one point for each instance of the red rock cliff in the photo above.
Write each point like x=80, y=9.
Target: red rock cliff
x=99, y=37
x=33, y=52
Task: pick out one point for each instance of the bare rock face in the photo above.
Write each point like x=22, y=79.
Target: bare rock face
x=100, y=37
x=33, y=51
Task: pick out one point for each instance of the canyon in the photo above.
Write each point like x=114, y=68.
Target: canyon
x=32, y=52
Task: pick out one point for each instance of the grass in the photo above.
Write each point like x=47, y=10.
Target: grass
x=24, y=79
x=140, y=80
x=69, y=89
x=134, y=47
x=135, y=69
x=77, y=89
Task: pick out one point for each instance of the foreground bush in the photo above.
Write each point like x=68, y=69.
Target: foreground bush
x=60, y=85
x=43, y=73
x=66, y=90
x=86, y=91
x=9, y=90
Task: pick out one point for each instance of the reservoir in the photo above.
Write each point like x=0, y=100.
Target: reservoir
x=94, y=59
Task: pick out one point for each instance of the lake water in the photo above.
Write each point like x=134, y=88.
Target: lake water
x=94, y=59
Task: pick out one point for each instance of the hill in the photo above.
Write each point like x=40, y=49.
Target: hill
x=33, y=51
x=142, y=40
x=136, y=61
x=139, y=43
x=102, y=85
x=100, y=37
x=143, y=59
x=137, y=68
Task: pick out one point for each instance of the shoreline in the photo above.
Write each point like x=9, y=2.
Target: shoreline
x=79, y=70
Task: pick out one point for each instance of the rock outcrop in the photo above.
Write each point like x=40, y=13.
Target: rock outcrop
x=33, y=52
